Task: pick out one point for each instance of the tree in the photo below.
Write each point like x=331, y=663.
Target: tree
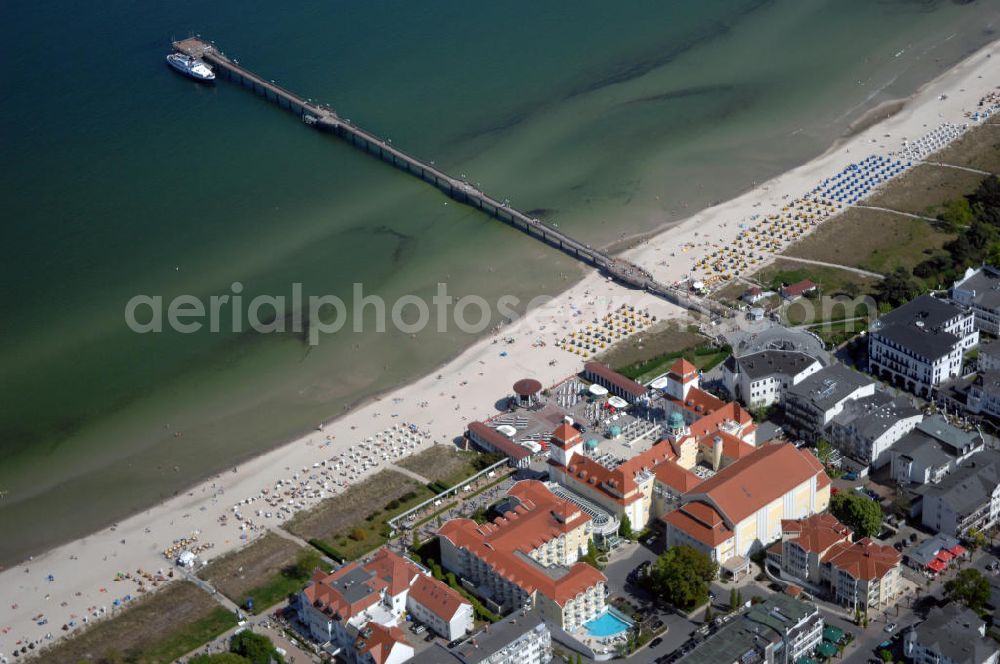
x=709, y=614
x=885, y=655
x=957, y=214
x=859, y=513
x=625, y=529
x=734, y=598
x=256, y=648
x=974, y=539
x=682, y=576
x=897, y=288
x=969, y=587
x=824, y=451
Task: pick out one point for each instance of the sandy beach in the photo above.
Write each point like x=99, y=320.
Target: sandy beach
x=78, y=580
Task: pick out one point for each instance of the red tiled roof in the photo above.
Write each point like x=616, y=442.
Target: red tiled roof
x=747, y=485
x=504, y=543
x=379, y=642
x=714, y=412
x=732, y=447
x=864, y=560
x=816, y=533
x=324, y=591
x=685, y=521
x=677, y=478
x=500, y=442
x=436, y=597
x=683, y=371
x=619, y=483
x=396, y=571
x=626, y=384
x=798, y=289
x=565, y=436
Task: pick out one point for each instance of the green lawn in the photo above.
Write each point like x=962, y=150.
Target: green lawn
x=289, y=580
x=704, y=357
x=156, y=629
x=871, y=240
x=830, y=279
x=189, y=637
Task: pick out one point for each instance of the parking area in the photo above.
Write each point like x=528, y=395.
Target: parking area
x=672, y=630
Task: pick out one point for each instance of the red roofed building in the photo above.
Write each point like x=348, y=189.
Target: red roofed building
x=804, y=544
x=439, y=607
x=339, y=607
x=706, y=430
x=377, y=644
x=616, y=384
x=530, y=553
x=819, y=550
x=863, y=572
x=741, y=508
x=491, y=440
x=798, y=289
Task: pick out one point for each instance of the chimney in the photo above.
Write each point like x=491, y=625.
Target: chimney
x=716, y=452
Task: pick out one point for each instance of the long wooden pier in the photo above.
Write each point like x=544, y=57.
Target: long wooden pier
x=325, y=118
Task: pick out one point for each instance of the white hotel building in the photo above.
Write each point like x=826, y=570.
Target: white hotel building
x=920, y=345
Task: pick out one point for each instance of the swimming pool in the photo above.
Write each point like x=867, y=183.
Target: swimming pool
x=609, y=623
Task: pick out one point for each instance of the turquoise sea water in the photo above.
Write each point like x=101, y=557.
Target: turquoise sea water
x=121, y=177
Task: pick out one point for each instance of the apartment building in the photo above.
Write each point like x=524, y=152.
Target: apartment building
x=968, y=497
x=921, y=344
x=359, y=606
x=529, y=556
x=759, y=380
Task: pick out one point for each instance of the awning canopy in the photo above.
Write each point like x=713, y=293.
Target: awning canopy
x=944, y=555
x=936, y=565
x=618, y=402
x=957, y=550
x=826, y=649
x=736, y=564
x=833, y=634
x=597, y=390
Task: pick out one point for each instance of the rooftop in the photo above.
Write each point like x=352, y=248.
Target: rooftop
x=954, y=633
x=540, y=517
x=816, y=533
x=873, y=416
x=930, y=312
x=829, y=386
x=969, y=486
x=983, y=285
x=717, y=504
x=745, y=638
x=499, y=441
x=626, y=384
x=378, y=641
x=769, y=362
x=436, y=597
x=864, y=560
x=482, y=644
x=918, y=326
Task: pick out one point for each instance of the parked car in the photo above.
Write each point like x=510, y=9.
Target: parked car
x=890, y=628
x=655, y=642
